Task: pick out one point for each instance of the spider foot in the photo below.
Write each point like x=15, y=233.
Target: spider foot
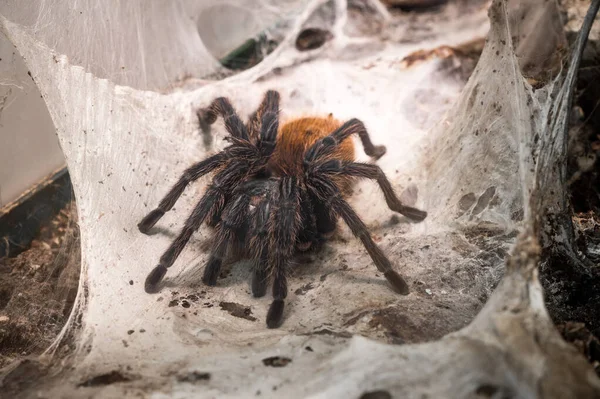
x=211, y=272
x=155, y=277
x=150, y=220
x=204, y=120
x=378, y=152
x=259, y=284
x=398, y=283
x=413, y=213
x=275, y=314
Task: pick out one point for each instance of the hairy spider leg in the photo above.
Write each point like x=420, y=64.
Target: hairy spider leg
x=256, y=123
x=221, y=106
x=267, y=123
x=207, y=116
x=259, y=242
x=212, y=201
x=333, y=197
x=234, y=222
x=191, y=174
x=327, y=145
x=319, y=166
x=374, y=172
x=283, y=230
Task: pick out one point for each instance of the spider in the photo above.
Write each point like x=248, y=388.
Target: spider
x=276, y=192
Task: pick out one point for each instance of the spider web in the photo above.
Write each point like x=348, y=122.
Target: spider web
x=122, y=83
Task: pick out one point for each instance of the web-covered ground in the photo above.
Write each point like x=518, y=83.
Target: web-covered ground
x=465, y=153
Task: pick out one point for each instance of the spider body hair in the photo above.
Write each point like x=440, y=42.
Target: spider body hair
x=297, y=135
x=280, y=190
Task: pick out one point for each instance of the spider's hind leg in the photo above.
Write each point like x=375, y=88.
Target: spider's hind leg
x=374, y=172
x=221, y=106
x=269, y=104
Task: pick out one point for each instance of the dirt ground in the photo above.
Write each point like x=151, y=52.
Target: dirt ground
x=573, y=293
x=38, y=287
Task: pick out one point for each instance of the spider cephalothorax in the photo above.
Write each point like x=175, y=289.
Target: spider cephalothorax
x=277, y=191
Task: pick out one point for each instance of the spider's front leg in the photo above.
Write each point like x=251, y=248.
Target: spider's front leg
x=191, y=174
x=259, y=242
x=234, y=221
x=212, y=201
x=282, y=239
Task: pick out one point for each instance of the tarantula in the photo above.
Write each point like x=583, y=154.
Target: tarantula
x=277, y=191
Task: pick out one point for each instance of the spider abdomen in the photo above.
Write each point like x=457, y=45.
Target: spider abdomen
x=296, y=136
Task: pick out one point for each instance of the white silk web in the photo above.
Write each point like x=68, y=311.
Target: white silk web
x=122, y=83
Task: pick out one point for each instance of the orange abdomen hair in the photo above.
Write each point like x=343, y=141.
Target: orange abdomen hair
x=298, y=135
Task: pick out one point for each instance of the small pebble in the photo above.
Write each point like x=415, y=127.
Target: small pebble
x=428, y=291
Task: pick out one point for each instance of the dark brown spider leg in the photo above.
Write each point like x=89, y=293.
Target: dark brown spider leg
x=328, y=144
x=234, y=221
x=213, y=198
x=326, y=220
x=308, y=234
x=260, y=275
x=269, y=124
x=213, y=266
x=355, y=126
x=253, y=126
x=191, y=174
x=275, y=313
x=259, y=242
x=221, y=106
x=282, y=234
x=270, y=103
x=212, y=201
x=374, y=172
x=359, y=229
